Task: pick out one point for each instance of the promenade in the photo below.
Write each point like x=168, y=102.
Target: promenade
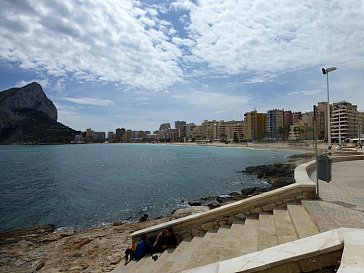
x=341, y=202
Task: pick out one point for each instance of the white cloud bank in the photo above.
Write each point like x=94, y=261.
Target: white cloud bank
x=234, y=36
x=127, y=42
x=88, y=101
x=90, y=40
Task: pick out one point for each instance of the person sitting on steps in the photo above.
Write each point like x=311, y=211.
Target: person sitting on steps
x=165, y=239
x=142, y=248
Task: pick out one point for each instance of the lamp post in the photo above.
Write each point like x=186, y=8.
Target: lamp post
x=326, y=71
x=339, y=129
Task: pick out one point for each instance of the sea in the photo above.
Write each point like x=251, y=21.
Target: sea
x=91, y=185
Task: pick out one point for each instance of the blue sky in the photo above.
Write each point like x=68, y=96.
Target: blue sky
x=136, y=64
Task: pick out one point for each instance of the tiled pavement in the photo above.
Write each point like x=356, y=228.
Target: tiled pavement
x=341, y=202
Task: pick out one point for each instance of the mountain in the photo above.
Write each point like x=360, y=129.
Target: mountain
x=28, y=116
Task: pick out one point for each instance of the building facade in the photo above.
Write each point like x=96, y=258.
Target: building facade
x=254, y=125
x=274, y=124
x=346, y=121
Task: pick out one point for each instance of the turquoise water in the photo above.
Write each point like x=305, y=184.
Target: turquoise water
x=81, y=186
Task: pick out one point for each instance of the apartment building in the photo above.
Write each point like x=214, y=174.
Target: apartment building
x=346, y=121
x=321, y=110
x=254, y=125
x=274, y=121
x=179, y=125
x=303, y=129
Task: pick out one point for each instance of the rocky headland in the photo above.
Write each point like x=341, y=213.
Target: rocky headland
x=27, y=116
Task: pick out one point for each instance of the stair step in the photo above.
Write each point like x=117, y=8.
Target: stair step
x=267, y=236
x=217, y=247
x=284, y=226
x=169, y=254
x=250, y=236
x=134, y=266
x=200, y=252
x=234, y=243
x=180, y=257
x=301, y=220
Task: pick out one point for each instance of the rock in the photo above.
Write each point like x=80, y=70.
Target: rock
x=195, y=203
x=249, y=191
x=65, y=232
x=28, y=234
x=39, y=265
x=28, y=116
x=143, y=218
x=213, y=205
x=189, y=211
x=278, y=174
x=116, y=223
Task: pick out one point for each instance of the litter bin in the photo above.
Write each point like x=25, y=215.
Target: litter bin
x=324, y=168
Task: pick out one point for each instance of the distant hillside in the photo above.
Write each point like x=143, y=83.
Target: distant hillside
x=28, y=116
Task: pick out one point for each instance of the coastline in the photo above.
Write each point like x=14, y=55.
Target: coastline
x=91, y=250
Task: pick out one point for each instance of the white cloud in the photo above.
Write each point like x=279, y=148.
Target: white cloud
x=305, y=92
x=273, y=36
x=117, y=41
x=213, y=100
x=43, y=82
x=88, y=101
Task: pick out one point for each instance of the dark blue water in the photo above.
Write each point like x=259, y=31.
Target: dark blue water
x=81, y=186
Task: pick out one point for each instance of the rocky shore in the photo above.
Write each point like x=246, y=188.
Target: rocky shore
x=273, y=176
x=44, y=249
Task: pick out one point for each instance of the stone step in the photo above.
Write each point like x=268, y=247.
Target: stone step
x=302, y=222
x=284, y=227
x=134, y=266
x=168, y=255
x=198, y=253
x=250, y=236
x=180, y=257
x=233, y=245
x=267, y=236
x=232, y=241
x=217, y=247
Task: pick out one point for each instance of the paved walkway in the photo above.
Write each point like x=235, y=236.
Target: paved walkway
x=341, y=201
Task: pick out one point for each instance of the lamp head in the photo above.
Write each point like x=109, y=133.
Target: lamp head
x=327, y=70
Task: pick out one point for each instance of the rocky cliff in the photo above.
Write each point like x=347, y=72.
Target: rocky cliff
x=28, y=116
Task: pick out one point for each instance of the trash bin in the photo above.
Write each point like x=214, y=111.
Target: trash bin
x=324, y=168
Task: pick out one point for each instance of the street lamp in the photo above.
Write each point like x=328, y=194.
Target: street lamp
x=326, y=71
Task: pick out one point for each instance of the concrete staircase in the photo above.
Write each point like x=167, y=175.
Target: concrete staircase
x=242, y=237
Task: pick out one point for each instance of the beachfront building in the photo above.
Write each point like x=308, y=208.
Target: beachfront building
x=188, y=128
x=275, y=124
x=119, y=133
x=179, y=125
x=98, y=137
x=168, y=135
x=111, y=137
x=164, y=126
x=225, y=131
x=254, y=125
x=346, y=121
x=303, y=129
x=89, y=135
x=321, y=110
x=230, y=131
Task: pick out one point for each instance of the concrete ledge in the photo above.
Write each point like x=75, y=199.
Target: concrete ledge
x=309, y=253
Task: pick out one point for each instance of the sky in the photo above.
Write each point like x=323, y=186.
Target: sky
x=109, y=64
